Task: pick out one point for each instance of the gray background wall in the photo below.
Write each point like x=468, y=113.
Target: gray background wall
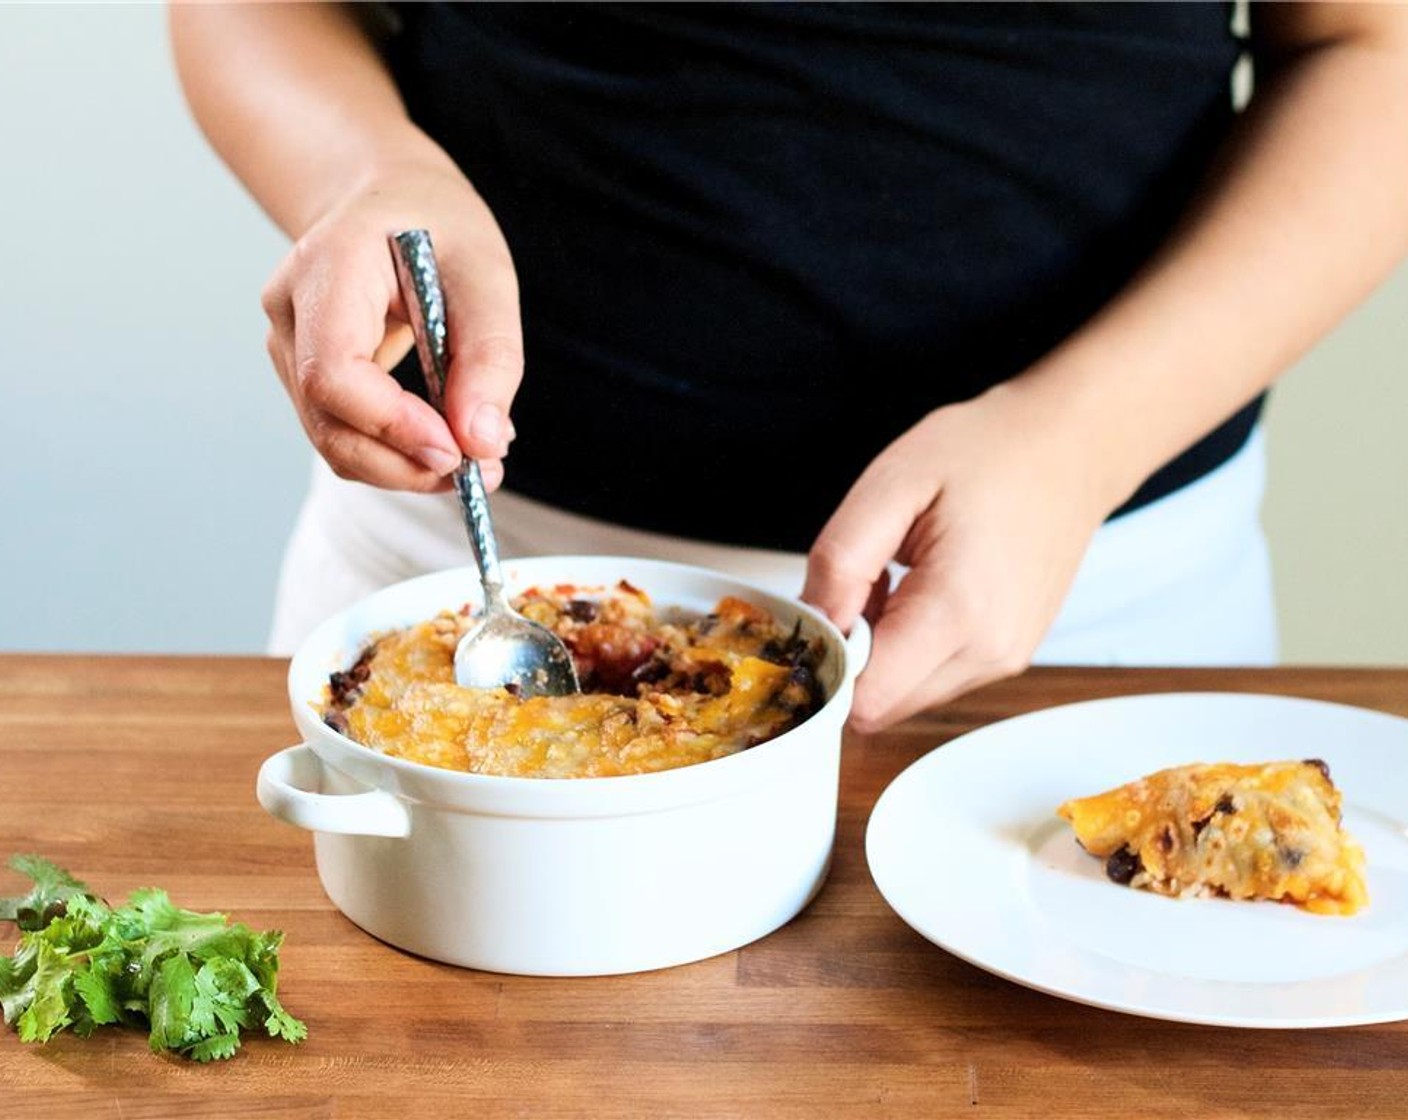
x=150, y=465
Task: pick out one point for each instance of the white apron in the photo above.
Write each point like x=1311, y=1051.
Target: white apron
x=1185, y=580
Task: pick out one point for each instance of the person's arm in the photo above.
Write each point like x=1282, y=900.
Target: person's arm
x=299, y=104
x=993, y=501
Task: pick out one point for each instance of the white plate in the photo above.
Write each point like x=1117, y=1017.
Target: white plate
x=966, y=846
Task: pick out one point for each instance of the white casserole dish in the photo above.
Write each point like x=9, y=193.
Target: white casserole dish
x=564, y=877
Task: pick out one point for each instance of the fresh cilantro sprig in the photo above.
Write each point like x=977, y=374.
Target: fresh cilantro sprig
x=193, y=981
x=53, y=886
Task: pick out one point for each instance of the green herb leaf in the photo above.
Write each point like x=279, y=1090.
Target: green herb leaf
x=53, y=887
x=223, y=988
x=280, y=1024
x=98, y=990
x=17, y=981
x=217, y=1046
x=49, y=992
x=192, y=979
x=171, y=999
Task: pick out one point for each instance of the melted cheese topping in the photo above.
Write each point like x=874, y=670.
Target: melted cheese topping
x=657, y=695
x=1269, y=831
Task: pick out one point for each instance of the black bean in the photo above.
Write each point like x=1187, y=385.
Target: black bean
x=582, y=610
x=787, y=651
x=1224, y=805
x=651, y=672
x=345, y=686
x=712, y=680
x=1123, y=866
x=54, y=911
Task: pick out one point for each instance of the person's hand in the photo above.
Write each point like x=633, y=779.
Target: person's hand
x=991, y=506
x=338, y=326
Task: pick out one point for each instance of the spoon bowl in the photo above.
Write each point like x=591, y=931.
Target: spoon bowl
x=502, y=649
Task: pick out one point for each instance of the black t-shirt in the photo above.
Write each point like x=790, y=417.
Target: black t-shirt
x=755, y=243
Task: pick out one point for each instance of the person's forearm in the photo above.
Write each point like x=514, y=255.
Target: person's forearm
x=296, y=100
x=1305, y=215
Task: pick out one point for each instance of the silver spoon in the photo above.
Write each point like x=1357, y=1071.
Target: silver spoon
x=502, y=648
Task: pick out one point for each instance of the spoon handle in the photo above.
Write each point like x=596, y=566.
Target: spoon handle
x=419, y=279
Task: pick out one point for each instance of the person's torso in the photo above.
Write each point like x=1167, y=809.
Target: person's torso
x=757, y=242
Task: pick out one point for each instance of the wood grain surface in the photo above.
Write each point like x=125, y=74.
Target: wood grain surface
x=139, y=771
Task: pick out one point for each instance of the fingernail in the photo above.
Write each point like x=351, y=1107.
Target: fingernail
x=437, y=459
x=512, y=431
x=489, y=425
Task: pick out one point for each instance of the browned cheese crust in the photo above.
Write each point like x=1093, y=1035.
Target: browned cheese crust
x=1268, y=831
x=657, y=692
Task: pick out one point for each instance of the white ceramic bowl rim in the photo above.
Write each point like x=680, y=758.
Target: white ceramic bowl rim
x=327, y=649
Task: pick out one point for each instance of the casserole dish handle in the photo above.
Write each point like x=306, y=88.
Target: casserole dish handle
x=284, y=790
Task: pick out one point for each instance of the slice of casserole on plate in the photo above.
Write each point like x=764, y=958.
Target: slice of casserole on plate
x=1265, y=831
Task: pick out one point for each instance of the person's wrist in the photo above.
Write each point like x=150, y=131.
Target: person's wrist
x=410, y=153
x=1081, y=435
x=398, y=155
